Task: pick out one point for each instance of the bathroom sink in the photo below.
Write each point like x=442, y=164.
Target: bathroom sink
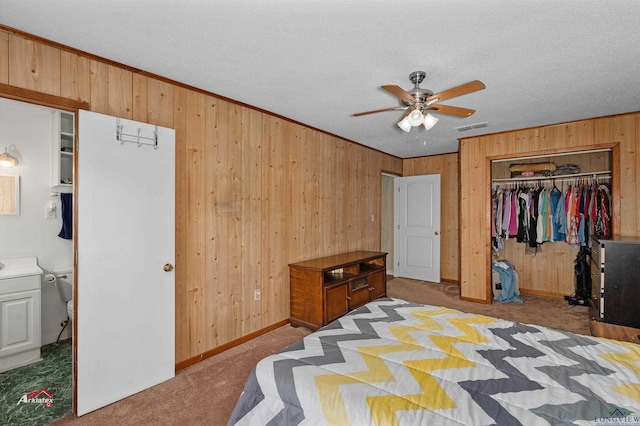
x=20, y=310
x=21, y=267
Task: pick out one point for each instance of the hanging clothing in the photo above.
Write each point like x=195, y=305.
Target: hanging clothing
x=572, y=217
x=506, y=213
x=534, y=207
x=592, y=208
x=559, y=222
x=523, y=217
x=543, y=216
x=513, y=221
x=537, y=215
x=603, y=221
x=494, y=203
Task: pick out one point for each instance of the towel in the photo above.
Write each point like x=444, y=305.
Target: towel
x=67, y=216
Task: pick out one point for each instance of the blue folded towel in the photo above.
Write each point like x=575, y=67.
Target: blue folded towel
x=67, y=216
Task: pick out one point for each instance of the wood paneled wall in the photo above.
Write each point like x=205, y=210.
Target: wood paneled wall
x=622, y=132
x=446, y=165
x=254, y=192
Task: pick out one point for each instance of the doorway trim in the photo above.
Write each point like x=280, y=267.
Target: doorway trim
x=385, y=212
x=615, y=187
x=42, y=99
x=71, y=105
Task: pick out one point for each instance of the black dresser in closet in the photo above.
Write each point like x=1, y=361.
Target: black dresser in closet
x=615, y=281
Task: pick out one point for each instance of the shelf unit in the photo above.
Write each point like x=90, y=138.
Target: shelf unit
x=63, y=152
x=594, y=159
x=600, y=173
x=326, y=288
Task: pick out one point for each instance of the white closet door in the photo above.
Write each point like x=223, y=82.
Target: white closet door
x=417, y=246
x=125, y=305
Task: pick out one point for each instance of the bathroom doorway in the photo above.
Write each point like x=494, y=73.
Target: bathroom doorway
x=31, y=133
x=51, y=102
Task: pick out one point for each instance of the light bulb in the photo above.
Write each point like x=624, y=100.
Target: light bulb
x=404, y=124
x=7, y=160
x=430, y=121
x=415, y=118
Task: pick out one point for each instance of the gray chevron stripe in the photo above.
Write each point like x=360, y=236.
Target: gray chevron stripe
x=516, y=381
x=493, y=408
x=588, y=409
x=251, y=396
x=593, y=405
x=562, y=347
x=331, y=354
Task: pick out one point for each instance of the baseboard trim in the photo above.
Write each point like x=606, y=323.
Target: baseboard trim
x=472, y=299
x=542, y=293
x=215, y=351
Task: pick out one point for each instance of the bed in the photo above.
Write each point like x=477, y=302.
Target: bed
x=393, y=362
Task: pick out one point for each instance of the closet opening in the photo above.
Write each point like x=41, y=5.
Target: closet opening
x=544, y=209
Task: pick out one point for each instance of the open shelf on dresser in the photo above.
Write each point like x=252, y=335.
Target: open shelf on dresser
x=326, y=288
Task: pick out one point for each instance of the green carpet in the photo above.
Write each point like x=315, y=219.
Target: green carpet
x=52, y=374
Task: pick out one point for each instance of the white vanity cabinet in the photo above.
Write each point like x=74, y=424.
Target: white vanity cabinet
x=20, y=313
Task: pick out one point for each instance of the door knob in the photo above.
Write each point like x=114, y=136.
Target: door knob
x=167, y=267
x=436, y=233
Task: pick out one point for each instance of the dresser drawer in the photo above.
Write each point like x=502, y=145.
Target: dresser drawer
x=597, y=278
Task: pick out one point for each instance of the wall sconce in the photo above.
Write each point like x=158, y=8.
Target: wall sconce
x=7, y=160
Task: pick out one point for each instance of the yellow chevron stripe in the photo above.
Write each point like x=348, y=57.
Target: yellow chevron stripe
x=631, y=360
x=434, y=397
x=629, y=390
x=328, y=386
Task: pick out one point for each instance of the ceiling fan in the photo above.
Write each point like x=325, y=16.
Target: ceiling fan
x=420, y=103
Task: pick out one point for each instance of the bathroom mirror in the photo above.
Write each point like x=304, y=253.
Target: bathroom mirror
x=9, y=194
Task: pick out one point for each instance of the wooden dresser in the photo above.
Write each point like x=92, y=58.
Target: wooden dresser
x=326, y=288
x=615, y=281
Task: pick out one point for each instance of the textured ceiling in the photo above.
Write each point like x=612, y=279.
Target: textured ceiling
x=319, y=61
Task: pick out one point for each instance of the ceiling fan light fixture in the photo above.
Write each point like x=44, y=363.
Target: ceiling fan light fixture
x=415, y=118
x=404, y=124
x=429, y=121
x=419, y=101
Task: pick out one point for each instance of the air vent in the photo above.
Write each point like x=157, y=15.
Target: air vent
x=471, y=126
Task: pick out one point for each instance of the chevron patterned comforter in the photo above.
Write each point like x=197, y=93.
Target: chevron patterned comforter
x=392, y=362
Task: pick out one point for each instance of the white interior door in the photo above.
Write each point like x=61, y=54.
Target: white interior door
x=417, y=222
x=125, y=305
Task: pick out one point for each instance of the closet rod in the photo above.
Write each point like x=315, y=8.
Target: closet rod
x=558, y=177
x=562, y=154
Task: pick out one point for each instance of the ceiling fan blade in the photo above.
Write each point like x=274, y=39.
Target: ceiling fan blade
x=472, y=86
x=378, y=110
x=399, y=92
x=451, y=110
